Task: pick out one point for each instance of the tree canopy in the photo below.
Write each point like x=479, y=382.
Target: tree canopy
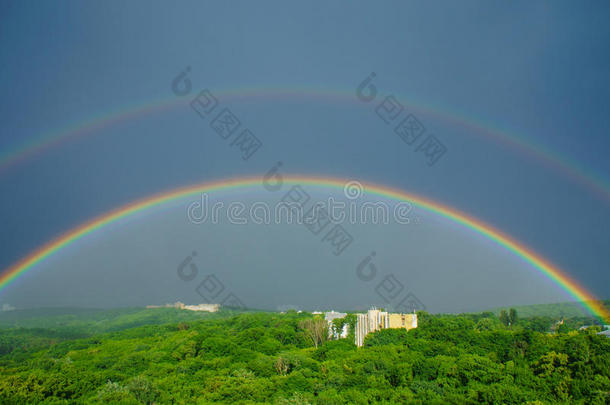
x=262, y=357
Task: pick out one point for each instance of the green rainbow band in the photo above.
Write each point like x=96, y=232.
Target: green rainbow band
x=559, y=163
x=559, y=277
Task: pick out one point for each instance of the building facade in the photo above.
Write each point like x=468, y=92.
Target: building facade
x=330, y=317
x=375, y=320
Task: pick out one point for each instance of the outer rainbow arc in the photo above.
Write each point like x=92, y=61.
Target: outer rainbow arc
x=562, y=164
x=569, y=285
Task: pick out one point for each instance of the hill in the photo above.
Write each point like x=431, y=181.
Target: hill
x=258, y=357
x=557, y=310
x=91, y=321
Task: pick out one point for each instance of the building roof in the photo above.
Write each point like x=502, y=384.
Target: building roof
x=329, y=316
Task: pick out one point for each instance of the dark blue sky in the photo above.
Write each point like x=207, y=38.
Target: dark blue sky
x=539, y=69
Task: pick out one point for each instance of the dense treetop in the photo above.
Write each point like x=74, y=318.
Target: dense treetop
x=171, y=356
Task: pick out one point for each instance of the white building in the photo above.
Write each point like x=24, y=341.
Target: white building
x=329, y=317
x=180, y=305
x=203, y=307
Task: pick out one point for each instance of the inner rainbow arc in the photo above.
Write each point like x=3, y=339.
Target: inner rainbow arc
x=554, y=273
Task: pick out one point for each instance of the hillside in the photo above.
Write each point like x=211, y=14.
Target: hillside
x=557, y=310
x=88, y=320
x=263, y=357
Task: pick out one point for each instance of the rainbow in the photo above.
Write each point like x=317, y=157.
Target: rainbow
x=562, y=164
x=559, y=277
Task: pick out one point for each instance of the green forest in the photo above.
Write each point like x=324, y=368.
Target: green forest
x=171, y=356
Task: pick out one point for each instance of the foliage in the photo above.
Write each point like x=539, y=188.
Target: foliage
x=258, y=357
x=504, y=319
x=315, y=330
x=512, y=316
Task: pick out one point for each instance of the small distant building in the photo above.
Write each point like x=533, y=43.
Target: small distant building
x=180, y=305
x=177, y=305
x=375, y=320
x=330, y=317
x=203, y=307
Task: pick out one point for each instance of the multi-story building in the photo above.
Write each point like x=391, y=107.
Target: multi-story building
x=330, y=317
x=375, y=320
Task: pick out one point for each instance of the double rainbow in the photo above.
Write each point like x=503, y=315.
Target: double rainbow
x=559, y=277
